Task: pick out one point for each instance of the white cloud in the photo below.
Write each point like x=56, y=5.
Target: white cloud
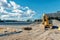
x=17, y=11
x=15, y=6
x=4, y=16
x=4, y=1
x=13, y=11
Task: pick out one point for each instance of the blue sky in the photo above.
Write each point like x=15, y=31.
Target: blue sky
x=27, y=9
x=41, y=6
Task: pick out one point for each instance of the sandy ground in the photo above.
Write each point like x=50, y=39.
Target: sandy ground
x=37, y=33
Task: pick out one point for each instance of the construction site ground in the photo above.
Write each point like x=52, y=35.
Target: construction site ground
x=37, y=33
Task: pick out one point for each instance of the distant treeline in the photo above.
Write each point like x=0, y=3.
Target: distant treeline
x=56, y=18
x=54, y=15
x=8, y=21
x=36, y=20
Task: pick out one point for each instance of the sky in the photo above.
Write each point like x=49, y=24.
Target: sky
x=27, y=9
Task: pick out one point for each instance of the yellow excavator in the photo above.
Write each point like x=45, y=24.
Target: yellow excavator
x=45, y=22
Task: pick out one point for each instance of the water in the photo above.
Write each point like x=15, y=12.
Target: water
x=15, y=23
